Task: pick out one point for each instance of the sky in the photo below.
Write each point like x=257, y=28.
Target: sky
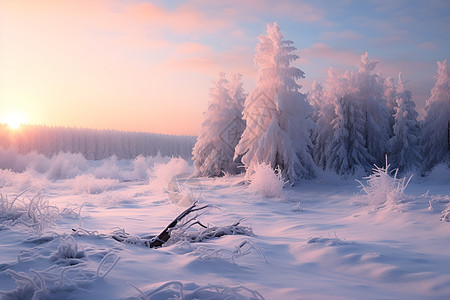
x=148, y=65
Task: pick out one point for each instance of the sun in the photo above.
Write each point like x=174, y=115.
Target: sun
x=14, y=120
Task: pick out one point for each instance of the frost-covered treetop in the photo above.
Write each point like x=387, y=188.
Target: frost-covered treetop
x=273, y=56
x=401, y=83
x=441, y=89
x=366, y=65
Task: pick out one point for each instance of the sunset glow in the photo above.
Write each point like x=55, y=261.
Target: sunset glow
x=14, y=120
x=148, y=65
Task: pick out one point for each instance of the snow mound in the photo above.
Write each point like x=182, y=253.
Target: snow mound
x=266, y=181
x=439, y=174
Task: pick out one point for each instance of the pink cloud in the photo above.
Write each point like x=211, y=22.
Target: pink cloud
x=184, y=19
x=327, y=54
x=252, y=9
x=193, y=48
x=210, y=63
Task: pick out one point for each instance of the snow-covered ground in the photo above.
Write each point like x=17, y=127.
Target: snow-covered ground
x=321, y=239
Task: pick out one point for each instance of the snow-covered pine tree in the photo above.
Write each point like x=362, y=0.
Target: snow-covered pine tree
x=371, y=94
x=222, y=128
x=435, y=139
x=323, y=131
x=404, y=144
x=343, y=147
x=316, y=99
x=391, y=93
x=346, y=153
x=276, y=113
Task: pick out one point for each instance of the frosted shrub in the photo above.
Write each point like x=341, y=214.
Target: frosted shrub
x=9, y=178
x=383, y=189
x=161, y=174
x=266, y=181
x=66, y=165
x=12, y=160
x=108, y=169
x=91, y=185
x=140, y=168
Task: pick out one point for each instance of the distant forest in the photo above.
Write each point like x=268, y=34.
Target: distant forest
x=94, y=144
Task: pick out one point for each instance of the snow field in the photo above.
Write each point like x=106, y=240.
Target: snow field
x=339, y=245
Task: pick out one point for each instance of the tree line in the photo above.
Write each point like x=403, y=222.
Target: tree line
x=94, y=144
x=347, y=125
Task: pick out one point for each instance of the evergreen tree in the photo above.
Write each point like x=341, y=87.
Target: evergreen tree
x=391, y=93
x=223, y=126
x=371, y=95
x=316, y=99
x=276, y=113
x=435, y=139
x=353, y=124
x=323, y=131
x=346, y=152
x=341, y=146
x=404, y=144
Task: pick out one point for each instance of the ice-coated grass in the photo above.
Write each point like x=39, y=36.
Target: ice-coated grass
x=266, y=182
x=244, y=248
x=68, y=248
x=35, y=213
x=445, y=217
x=382, y=189
x=57, y=279
x=176, y=290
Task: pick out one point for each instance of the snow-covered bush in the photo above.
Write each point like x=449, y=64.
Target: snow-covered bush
x=266, y=181
x=66, y=165
x=276, y=113
x=21, y=181
x=162, y=173
x=382, y=189
x=108, y=169
x=140, y=168
x=87, y=183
